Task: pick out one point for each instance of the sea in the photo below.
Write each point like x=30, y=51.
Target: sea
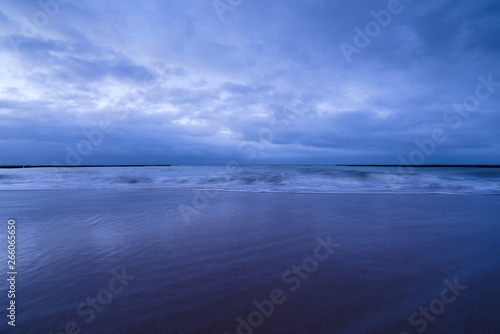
x=250, y=249
x=286, y=179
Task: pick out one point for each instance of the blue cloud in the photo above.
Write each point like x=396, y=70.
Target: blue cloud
x=180, y=85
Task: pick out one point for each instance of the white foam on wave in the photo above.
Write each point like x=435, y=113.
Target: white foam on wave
x=291, y=179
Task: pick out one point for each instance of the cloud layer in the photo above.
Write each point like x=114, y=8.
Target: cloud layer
x=205, y=82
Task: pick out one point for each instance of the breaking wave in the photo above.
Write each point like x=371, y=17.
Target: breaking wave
x=292, y=179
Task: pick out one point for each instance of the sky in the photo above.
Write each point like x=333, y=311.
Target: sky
x=252, y=82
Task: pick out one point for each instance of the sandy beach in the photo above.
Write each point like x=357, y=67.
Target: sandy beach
x=127, y=262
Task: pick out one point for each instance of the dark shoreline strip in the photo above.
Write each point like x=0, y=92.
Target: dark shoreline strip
x=79, y=166
x=423, y=166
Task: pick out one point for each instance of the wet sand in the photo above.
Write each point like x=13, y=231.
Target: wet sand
x=385, y=257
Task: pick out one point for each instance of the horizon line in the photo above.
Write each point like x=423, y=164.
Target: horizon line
x=418, y=166
x=337, y=165
x=77, y=166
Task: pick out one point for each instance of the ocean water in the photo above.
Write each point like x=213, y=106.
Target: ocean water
x=109, y=251
x=288, y=179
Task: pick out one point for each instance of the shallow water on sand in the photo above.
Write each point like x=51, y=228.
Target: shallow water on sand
x=394, y=256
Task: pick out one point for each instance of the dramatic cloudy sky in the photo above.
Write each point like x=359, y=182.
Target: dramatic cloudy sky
x=255, y=81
